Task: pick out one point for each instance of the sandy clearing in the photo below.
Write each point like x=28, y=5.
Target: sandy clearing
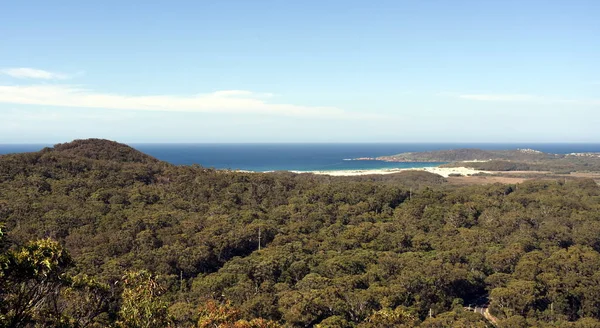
x=477, y=180
x=443, y=171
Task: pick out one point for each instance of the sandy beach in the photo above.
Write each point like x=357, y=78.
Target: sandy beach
x=443, y=171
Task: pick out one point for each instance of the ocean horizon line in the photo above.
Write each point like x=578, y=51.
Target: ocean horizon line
x=326, y=143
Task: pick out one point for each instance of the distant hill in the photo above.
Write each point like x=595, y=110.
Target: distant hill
x=469, y=154
x=102, y=149
x=504, y=160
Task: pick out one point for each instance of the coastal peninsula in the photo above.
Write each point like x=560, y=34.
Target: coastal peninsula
x=469, y=165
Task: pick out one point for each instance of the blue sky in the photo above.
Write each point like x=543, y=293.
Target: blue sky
x=300, y=71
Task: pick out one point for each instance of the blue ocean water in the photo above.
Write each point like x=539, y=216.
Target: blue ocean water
x=306, y=157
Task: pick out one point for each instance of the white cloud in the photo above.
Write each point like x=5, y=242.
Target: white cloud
x=32, y=73
x=229, y=101
x=45, y=115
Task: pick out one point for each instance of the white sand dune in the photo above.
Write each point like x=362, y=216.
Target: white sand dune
x=443, y=171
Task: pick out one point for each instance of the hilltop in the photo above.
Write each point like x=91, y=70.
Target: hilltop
x=102, y=149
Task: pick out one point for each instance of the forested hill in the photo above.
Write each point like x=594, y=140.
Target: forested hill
x=505, y=160
x=469, y=154
x=103, y=150
x=127, y=241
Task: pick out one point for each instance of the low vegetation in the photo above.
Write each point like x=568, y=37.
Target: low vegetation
x=505, y=160
x=556, y=166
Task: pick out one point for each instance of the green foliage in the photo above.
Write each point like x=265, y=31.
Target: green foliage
x=212, y=314
x=32, y=278
x=141, y=306
x=102, y=150
x=457, y=318
x=85, y=300
x=334, y=251
x=399, y=317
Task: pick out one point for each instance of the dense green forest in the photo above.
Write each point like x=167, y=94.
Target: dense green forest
x=96, y=234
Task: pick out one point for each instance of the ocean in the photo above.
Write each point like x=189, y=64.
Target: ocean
x=306, y=157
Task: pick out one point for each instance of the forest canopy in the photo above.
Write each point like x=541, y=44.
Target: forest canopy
x=97, y=234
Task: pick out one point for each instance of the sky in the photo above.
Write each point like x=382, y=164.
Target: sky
x=300, y=71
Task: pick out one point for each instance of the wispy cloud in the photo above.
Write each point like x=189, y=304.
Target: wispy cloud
x=32, y=73
x=228, y=101
x=45, y=115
